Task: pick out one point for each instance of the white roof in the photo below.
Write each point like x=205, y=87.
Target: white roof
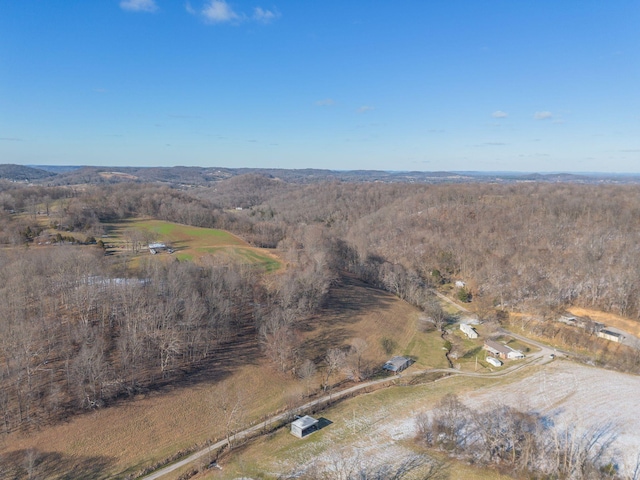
x=305, y=422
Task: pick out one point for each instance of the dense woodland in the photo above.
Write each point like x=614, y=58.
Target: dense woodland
x=80, y=329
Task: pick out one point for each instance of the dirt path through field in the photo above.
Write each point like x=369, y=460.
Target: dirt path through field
x=539, y=358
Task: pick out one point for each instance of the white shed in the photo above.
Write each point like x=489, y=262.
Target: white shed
x=610, y=335
x=468, y=330
x=304, y=426
x=494, y=361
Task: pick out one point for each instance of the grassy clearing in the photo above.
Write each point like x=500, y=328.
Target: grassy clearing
x=380, y=424
x=359, y=311
x=191, y=243
x=178, y=233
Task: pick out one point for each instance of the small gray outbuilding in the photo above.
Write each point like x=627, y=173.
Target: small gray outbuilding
x=397, y=364
x=304, y=426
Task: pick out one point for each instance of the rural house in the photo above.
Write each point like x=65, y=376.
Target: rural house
x=502, y=351
x=584, y=323
x=158, y=247
x=468, y=330
x=397, y=364
x=609, y=335
x=304, y=426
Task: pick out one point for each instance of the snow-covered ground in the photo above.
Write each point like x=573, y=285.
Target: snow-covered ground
x=579, y=396
x=569, y=394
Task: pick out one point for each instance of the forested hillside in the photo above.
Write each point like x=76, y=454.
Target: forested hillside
x=81, y=327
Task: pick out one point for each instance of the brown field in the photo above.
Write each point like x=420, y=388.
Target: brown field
x=124, y=439
x=379, y=427
x=109, y=175
x=609, y=319
x=373, y=429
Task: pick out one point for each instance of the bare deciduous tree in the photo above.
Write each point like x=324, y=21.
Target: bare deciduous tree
x=307, y=372
x=355, y=364
x=334, y=361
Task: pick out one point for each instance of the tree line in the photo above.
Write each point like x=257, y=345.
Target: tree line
x=74, y=335
x=86, y=331
x=521, y=443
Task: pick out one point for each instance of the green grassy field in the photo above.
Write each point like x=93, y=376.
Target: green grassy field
x=192, y=243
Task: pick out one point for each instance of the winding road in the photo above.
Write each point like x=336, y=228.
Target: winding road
x=541, y=357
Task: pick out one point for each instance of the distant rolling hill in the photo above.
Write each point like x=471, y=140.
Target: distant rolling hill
x=207, y=176
x=21, y=173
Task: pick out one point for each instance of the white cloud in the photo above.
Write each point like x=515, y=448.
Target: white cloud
x=219, y=11
x=365, y=108
x=264, y=16
x=139, y=5
x=543, y=115
x=499, y=114
x=327, y=102
x=190, y=10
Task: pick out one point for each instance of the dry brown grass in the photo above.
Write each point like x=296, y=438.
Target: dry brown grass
x=609, y=319
x=150, y=428
x=125, y=438
x=378, y=424
x=360, y=311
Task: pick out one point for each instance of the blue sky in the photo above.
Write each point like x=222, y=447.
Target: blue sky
x=539, y=85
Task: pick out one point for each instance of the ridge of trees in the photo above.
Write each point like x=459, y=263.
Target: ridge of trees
x=84, y=340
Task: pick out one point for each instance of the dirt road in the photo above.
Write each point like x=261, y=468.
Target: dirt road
x=538, y=358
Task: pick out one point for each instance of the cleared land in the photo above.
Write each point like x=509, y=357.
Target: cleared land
x=609, y=319
x=124, y=439
x=189, y=243
x=379, y=427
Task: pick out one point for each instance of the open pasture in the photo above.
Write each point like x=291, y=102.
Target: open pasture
x=121, y=440
x=189, y=243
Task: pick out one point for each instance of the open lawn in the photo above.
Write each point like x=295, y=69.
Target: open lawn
x=371, y=429
x=378, y=428
x=189, y=243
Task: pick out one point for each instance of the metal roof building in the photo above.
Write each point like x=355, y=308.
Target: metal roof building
x=397, y=364
x=304, y=426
